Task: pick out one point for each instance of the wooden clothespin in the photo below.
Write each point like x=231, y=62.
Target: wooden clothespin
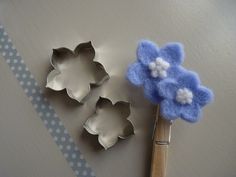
x=161, y=141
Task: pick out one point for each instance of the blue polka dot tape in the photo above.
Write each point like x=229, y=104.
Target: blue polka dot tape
x=43, y=108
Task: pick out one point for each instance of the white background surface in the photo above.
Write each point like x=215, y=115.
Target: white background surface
x=206, y=28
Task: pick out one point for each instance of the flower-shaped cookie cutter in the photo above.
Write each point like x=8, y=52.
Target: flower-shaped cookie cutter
x=75, y=71
x=110, y=122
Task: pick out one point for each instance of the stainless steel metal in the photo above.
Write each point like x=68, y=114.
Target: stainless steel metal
x=110, y=122
x=75, y=71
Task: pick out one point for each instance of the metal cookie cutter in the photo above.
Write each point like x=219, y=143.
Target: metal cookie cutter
x=75, y=71
x=110, y=122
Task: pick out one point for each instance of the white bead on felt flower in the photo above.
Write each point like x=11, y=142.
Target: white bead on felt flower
x=184, y=96
x=159, y=68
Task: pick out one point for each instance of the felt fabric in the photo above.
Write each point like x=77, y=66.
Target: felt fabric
x=139, y=73
x=171, y=109
x=151, y=92
x=148, y=51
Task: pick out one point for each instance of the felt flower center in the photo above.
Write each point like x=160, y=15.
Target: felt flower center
x=184, y=96
x=159, y=68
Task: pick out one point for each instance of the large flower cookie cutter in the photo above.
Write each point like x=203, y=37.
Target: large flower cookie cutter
x=75, y=71
x=110, y=122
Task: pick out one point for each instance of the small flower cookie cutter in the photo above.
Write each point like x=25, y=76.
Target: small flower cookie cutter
x=76, y=71
x=110, y=122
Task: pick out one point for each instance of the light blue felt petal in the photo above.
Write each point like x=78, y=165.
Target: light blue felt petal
x=167, y=88
x=169, y=109
x=173, y=53
x=188, y=80
x=147, y=51
x=150, y=92
x=203, y=96
x=190, y=113
x=175, y=72
x=136, y=74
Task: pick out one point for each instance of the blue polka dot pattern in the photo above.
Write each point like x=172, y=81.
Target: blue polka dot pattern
x=43, y=108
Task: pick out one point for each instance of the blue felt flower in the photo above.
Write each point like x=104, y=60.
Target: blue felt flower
x=153, y=65
x=183, y=97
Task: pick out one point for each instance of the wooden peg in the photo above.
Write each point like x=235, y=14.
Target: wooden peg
x=161, y=141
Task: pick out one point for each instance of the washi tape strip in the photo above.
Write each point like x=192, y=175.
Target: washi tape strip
x=42, y=106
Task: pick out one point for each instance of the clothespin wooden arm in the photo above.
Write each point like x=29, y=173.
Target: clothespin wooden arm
x=161, y=141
